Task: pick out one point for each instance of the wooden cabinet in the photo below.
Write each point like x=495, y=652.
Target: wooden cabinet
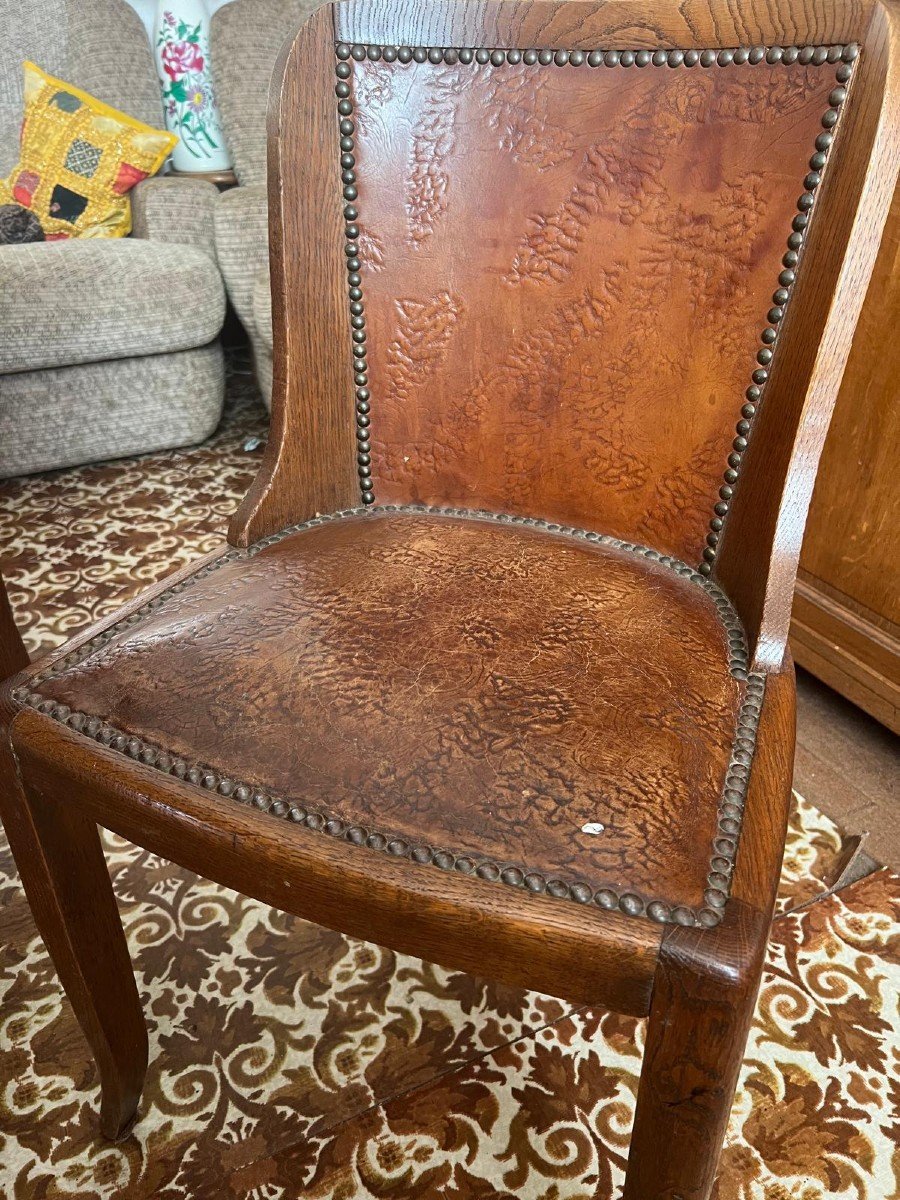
x=846, y=622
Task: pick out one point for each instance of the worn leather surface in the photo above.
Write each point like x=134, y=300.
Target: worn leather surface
x=480, y=687
x=566, y=272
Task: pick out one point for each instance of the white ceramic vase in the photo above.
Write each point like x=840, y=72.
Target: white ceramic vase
x=181, y=45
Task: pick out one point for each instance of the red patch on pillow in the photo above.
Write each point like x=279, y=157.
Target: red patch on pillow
x=25, y=187
x=127, y=177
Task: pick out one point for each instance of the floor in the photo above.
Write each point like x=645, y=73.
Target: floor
x=848, y=765
x=287, y=1060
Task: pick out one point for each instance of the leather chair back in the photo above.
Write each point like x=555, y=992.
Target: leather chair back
x=572, y=270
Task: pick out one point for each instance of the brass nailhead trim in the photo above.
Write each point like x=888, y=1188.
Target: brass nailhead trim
x=349, y=192
x=815, y=55
x=818, y=56
x=731, y=803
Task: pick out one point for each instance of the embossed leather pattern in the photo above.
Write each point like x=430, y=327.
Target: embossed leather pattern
x=520, y=699
x=565, y=272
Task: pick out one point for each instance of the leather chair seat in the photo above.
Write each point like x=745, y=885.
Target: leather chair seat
x=544, y=708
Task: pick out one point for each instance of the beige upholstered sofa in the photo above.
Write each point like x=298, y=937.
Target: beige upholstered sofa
x=107, y=346
x=247, y=36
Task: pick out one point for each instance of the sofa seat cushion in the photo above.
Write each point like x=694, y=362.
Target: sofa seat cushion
x=65, y=416
x=546, y=708
x=88, y=301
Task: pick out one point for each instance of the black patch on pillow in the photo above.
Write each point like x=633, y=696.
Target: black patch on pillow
x=67, y=205
x=18, y=224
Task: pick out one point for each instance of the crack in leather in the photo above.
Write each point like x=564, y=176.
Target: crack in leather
x=363, y=681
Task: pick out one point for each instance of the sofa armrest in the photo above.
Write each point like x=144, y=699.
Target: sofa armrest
x=242, y=244
x=176, y=210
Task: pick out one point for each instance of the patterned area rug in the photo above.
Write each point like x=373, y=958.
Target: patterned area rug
x=287, y=1060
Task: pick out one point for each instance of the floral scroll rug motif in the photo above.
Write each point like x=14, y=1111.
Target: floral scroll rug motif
x=289, y=1061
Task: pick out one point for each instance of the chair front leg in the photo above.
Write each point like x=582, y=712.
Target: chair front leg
x=704, y=994
x=66, y=880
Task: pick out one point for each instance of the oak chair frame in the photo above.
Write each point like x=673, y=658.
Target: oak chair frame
x=698, y=985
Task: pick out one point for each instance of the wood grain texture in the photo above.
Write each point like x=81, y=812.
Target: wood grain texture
x=704, y=993
x=308, y=465
x=848, y=647
x=846, y=614
x=63, y=871
x=610, y=24
x=853, y=539
x=705, y=990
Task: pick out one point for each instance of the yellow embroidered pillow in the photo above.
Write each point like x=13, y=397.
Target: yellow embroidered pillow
x=79, y=159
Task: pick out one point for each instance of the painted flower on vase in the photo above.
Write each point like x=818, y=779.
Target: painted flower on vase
x=199, y=95
x=179, y=58
x=188, y=99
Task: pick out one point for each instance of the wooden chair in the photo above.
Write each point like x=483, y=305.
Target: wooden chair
x=494, y=671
